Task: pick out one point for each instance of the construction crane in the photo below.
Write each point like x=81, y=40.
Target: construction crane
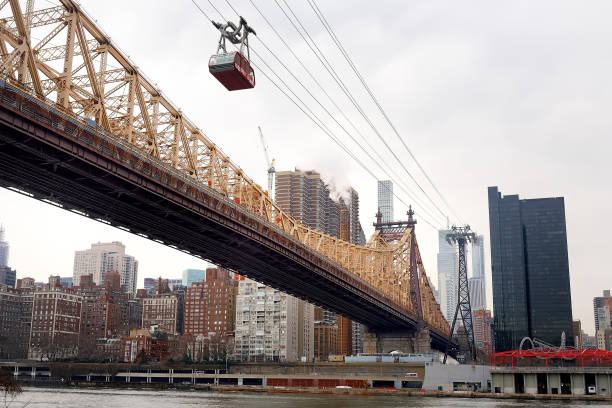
x=270, y=164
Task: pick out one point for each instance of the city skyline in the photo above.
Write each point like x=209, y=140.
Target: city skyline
x=55, y=234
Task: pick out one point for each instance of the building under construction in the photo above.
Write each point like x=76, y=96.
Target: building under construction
x=307, y=198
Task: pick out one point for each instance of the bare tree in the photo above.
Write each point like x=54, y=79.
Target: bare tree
x=9, y=386
x=12, y=346
x=88, y=350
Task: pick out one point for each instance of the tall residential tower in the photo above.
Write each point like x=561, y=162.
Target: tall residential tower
x=102, y=258
x=385, y=199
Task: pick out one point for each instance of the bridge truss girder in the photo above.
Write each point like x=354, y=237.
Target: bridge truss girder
x=77, y=69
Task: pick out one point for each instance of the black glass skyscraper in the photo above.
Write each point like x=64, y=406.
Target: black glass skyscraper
x=529, y=263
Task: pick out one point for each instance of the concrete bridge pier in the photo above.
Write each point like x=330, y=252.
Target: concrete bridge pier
x=418, y=341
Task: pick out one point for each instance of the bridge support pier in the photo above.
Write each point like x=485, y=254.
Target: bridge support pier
x=406, y=342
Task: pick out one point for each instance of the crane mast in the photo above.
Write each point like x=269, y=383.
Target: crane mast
x=269, y=163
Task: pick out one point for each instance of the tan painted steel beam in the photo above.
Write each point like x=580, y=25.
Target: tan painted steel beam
x=135, y=110
x=21, y=29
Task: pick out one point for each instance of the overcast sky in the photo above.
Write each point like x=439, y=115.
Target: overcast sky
x=515, y=94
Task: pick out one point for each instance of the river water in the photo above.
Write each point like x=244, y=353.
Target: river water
x=115, y=398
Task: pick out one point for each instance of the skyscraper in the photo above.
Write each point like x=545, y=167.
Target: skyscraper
x=66, y=282
x=477, y=283
x=149, y=284
x=8, y=276
x=478, y=267
x=385, y=199
x=104, y=257
x=306, y=197
x=447, y=276
x=477, y=294
x=4, y=248
x=529, y=265
x=599, y=302
x=356, y=232
x=193, y=275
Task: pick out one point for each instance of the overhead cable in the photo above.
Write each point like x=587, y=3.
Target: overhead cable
x=377, y=162
x=344, y=88
x=343, y=51
x=379, y=158
x=304, y=107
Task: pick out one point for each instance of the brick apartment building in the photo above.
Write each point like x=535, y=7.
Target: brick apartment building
x=56, y=324
x=210, y=305
x=105, y=309
x=344, y=336
x=162, y=310
x=15, y=321
x=483, y=336
x=325, y=341
x=134, y=313
x=155, y=349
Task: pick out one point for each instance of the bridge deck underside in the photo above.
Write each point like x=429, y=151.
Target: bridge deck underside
x=39, y=160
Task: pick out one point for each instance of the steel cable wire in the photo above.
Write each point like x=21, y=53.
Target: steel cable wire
x=379, y=160
x=343, y=51
x=305, y=109
x=344, y=88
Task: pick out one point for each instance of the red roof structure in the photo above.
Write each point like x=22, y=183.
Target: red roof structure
x=583, y=357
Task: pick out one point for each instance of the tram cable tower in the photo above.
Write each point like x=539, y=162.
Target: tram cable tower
x=461, y=235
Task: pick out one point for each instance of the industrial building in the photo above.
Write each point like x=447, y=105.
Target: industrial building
x=559, y=371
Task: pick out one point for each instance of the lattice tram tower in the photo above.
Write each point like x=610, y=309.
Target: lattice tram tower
x=461, y=235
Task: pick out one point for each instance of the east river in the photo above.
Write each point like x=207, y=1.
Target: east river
x=110, y=398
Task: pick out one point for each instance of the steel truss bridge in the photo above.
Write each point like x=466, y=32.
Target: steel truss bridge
x=82, y=128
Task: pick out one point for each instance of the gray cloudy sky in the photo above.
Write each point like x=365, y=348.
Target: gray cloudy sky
x=515, y=94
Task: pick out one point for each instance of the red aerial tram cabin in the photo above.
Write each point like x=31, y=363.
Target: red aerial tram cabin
x=233, y=70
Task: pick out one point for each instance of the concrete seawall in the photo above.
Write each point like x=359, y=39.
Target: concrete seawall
x=357, y=392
